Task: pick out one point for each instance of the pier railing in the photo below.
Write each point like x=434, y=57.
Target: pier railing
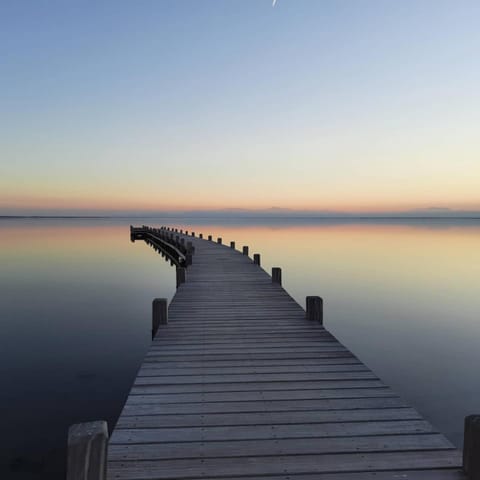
x=165, y=241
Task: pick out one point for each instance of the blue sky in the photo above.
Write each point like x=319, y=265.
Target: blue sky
x=145, y=105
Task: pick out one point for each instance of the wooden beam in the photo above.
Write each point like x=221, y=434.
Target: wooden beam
x=87, y=451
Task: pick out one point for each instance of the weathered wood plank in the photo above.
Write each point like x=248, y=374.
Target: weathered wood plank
x=260, y=396
x=159, y=370
x=203, y=407
x=206, y=379
x=251, y=432
x=430, y=474
x=273, y=418
x=277, y=465
x=266, y=386
x=291, y=446
x=346, y=358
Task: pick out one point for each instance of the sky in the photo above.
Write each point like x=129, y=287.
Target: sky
x=170, y=105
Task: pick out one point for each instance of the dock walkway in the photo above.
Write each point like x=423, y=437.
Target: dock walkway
x=239, y=384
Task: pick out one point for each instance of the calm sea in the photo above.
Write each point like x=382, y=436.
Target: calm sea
x=76, y=314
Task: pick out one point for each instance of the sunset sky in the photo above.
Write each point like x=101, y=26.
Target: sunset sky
x=344, y=105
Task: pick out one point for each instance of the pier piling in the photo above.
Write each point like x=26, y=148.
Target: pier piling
x=315, y=309
x=159, y=314
x=180, y=276
x=471, y=447
x=277, y=275
x=87, y=451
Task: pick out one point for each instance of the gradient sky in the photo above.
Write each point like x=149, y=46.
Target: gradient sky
x=175, y=104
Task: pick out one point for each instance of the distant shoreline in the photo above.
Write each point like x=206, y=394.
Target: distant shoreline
x=247, y=217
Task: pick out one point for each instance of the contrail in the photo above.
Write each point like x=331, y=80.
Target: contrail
x=274, y=2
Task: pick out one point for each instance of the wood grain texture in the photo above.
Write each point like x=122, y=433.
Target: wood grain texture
x=239, y=384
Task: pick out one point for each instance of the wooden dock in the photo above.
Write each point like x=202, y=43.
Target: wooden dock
x=240, y=384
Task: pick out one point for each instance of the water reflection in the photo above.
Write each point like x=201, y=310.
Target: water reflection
x=75, y=306
x=76, y=299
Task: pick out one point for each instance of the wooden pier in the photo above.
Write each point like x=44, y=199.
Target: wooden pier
x=241, y=383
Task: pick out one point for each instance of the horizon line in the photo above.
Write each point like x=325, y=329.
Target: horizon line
x=476, y=216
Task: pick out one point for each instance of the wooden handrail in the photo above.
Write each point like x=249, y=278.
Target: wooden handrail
x=159, y=238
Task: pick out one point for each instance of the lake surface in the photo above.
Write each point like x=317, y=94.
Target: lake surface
x=76, y=296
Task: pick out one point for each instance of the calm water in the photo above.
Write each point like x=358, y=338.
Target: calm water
x=76, y=305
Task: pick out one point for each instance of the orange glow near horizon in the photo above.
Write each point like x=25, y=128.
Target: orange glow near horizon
x=151, y=206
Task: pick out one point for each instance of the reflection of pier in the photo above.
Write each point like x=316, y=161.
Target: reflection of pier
x=171, y=247
x=242, y=383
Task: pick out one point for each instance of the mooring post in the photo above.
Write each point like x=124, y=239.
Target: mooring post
x=87, y=451
x=188, y=254
x=219, y=240
x=245, y=250
x=256, y=259
x=159, y=314
x=277, y=275
x=209, y=238
x=232, y=244
x=200, y=235
x=193, y=234
x=471, y=447
x=180, y=276
x=315, y=309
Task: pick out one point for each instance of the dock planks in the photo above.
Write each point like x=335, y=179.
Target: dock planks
x=240, y=385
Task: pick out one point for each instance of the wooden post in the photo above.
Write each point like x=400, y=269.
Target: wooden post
x=315, y=309
x=277, y=275
x=200, y=235
x=232, y=244
x=219, y=240
x=186, y=232
x=471, y=447
x=256, y=259
x=209, y=238
x=189, y=253
x=87, y=451
x=180, y=276
x=159, y=314
x=193, y=234
x=245, y=250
